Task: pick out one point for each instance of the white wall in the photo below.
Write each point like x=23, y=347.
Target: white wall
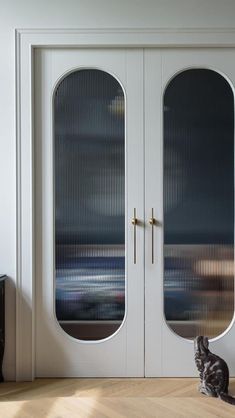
x=71, y=14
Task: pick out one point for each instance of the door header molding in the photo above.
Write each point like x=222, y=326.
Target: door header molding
x=124, y=37
x=26, y=40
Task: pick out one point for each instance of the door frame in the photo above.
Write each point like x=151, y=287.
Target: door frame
x=26, y=41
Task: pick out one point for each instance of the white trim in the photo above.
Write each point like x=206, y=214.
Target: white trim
x=24, y=210
x=161, y=38
x=26, y=41
x=19, y=243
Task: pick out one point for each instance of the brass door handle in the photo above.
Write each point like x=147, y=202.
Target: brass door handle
x=134, y=223
x=152, y=222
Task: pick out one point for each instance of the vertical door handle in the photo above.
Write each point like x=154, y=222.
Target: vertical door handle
x=134, y=223
x=152, y=222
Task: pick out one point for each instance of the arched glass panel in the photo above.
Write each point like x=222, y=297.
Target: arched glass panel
x=89, y=168
x=198, y=203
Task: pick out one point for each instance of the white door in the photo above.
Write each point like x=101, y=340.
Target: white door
x=189, y=185
x=89, y=180
x=183, y=180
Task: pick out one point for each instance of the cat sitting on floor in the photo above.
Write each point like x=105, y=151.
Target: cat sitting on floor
x=213, y=371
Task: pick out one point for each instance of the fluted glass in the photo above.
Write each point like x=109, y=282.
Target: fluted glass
x=89, y=169
x=198, y=203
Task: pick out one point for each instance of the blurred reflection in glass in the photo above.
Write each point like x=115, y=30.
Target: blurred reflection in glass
x=89, y=145
x=198, y=203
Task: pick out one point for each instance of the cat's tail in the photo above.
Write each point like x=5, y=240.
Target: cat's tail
x=227, y=398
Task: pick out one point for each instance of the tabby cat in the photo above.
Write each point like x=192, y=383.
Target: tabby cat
x=213, y=371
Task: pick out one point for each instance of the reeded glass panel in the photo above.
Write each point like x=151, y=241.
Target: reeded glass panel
x=198, y=203
x=89, y=169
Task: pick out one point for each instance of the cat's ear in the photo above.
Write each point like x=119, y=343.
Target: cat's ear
x=205, y=342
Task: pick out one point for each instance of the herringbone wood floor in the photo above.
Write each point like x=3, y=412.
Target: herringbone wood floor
x=110, y=398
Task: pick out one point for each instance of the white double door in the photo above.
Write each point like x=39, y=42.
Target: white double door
x=144, y=345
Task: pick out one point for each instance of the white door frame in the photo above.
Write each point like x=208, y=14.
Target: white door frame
x=26, y=40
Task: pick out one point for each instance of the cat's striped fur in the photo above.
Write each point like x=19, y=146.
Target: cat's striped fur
x=213, y=371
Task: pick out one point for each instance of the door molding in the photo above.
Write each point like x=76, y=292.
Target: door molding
x=26, y=41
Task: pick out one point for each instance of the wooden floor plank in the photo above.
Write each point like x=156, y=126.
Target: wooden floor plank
x=110, y=398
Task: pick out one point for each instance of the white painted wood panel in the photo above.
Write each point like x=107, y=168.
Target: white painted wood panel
x=168, y=354
x=58, y=354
